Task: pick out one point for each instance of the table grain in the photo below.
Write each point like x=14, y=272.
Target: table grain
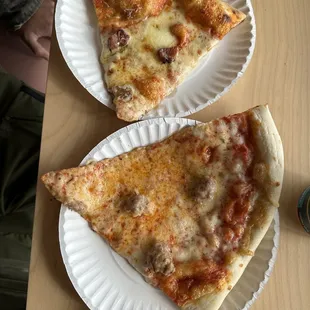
x=278, y=75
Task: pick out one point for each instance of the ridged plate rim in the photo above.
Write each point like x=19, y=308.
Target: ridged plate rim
x=117, y=135
x=198, y=101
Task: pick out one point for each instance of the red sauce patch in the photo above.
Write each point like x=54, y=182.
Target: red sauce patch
x=228, y=234
x=228, y=211
x=241, y=212
x=192, y=278
x=240, y=119
x=243, y=151
x=236, y=211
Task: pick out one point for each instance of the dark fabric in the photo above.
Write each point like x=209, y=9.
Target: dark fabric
x=17, y=12
x=20, y=136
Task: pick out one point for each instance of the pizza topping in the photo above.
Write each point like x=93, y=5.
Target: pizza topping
x=167, y=55
x=213, y=240
x=148, y=34
x=182, y=34
x=124, y=93
x=236, y=211
x=77, y=206
x=187, y=252
x=226, y=18
x=118, y=40
x=130, y=13
x=236, y=165
x=231, y=236
x=212, y=16
x=191, y=249
x=242, y=189
x=207, y=154
x=123, y=13
x=151, y=88
x=209, y=222
x=205, y=189
x=182, y=176
x=194, y=279
x=239, y=230
x=228, y=234
x=137, y=205
x=159, y=259
x=243, y=152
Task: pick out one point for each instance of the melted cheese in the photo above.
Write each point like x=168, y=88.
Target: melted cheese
x=167, y=174
x=157, y=32
x=122, y=13
x=138, y=61
x=211, y=222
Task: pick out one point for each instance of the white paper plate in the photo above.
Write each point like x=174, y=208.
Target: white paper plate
x=78, y=37
x=106, y=281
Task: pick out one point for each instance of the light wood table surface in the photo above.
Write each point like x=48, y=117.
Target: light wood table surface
x=278, y=74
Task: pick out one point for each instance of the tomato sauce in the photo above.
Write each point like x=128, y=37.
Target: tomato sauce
x=193, y=279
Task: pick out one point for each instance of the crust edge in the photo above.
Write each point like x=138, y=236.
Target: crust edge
x=270, y=147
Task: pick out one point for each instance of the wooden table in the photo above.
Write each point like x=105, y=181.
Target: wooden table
x=278, y=74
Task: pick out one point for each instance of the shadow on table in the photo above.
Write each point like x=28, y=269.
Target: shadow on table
x=289, y=200
x=50, y=244
x=103, y=120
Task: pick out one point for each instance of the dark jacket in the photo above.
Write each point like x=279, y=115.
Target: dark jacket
x=21, y=113
x=17, y=12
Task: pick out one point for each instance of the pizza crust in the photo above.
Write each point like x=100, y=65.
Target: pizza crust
x=75, y=188
x=147, y=55
x=269, y=146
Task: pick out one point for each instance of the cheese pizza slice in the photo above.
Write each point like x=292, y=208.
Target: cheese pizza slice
x=187, y=212
x=150, y=46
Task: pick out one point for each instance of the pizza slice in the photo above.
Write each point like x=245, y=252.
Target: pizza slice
x=187, y=212
x=150, y=46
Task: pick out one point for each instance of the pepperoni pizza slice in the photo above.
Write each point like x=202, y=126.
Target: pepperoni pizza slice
x=150, y=46
x=187, y=212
